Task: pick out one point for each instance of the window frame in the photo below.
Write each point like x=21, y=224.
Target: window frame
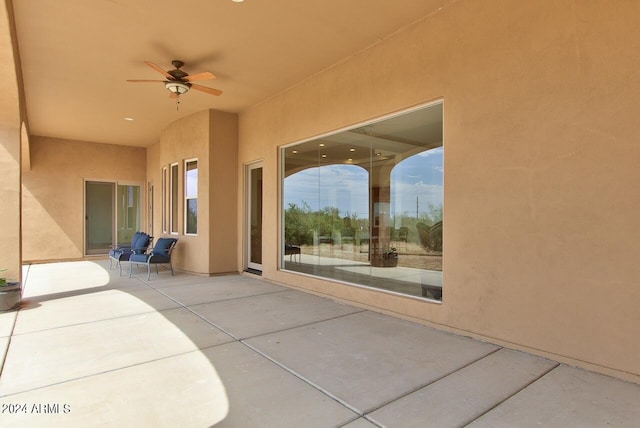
x=383, y=254
x=165, y=199
x=188, y=197
x=174, y=178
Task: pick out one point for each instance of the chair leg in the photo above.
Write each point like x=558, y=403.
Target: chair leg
x=157, y=273
x=149, y=272
x=130, y=269
x=171, y=266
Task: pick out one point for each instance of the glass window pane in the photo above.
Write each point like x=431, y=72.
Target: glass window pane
x=364, y=206
x=192, y=216
x=191, y=169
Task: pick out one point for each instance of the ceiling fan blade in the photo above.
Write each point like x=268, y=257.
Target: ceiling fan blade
x=139, y=80
x=206, y=89
x=159, y=70
x=200, y=76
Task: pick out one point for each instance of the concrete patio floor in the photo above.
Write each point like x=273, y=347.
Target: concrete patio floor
x=90, y=348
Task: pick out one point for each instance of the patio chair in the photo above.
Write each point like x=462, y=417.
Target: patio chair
x=292, y=251
x=159, y=255
x=139, y=244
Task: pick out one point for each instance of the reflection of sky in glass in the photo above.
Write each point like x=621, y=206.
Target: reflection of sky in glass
x=416, y=179
x=417, y=182
x=192, y=180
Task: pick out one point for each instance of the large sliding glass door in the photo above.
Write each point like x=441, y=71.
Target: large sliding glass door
x=112, y=215
x=99, y=215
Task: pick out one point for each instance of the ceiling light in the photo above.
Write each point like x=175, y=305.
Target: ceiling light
x=178, y=88
x=237, y=1
x=321, y=144
x=352, y=149
x=324, y=156
x=128, y=119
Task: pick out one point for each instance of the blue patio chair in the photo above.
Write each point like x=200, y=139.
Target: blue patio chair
x=159, y=255
x=139, y=244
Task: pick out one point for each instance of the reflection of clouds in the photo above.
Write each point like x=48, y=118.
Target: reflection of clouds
x=342, y=186
x=404, y=196
x=192, y=182
x=347, y=186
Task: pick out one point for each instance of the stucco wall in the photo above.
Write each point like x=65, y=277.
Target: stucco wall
x=223, y=190
x=541, y=148
x=11, y=117
x=53, y=192
x=211, y=137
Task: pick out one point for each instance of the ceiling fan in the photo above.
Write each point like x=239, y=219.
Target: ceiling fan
x=179, y=82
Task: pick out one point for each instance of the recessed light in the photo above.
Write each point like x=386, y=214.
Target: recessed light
x=321, y=144
x=324, y=156
x=128, y=119
x=237, y=1
x=352, y=149
x=295, y=152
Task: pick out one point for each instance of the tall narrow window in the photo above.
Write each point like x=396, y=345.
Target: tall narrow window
x=191, y=196
x=173, y=213
x=164, y=200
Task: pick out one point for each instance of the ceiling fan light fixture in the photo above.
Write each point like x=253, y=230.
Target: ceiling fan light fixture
x=177, y=88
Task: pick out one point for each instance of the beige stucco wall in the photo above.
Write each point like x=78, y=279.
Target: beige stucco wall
x=223, y=192
x=11, y=121
x=211, y=137
x=53, y=192
x=541, y=152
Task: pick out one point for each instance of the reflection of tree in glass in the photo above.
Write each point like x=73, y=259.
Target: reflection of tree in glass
x=192, y=216
x=301, y=223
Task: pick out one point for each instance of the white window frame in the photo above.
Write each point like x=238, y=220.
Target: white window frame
x=165, y=198
x=174, y=203
x=188, y=197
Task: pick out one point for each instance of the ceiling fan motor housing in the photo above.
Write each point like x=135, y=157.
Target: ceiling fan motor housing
x=177, y=73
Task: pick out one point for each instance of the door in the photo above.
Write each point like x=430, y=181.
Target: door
x=112, y=215
x=254, y=217
x=99, y=217
x=127, y=213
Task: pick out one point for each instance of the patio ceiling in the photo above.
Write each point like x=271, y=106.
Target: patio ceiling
x=76, y=56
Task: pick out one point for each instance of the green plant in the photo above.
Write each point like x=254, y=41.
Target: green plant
x=391, y=253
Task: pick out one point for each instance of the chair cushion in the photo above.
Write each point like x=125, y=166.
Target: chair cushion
x=162, y=246
x=121, y=254
x=134, y=239
x=138, y=258
x=141, y=242
x=157, y=258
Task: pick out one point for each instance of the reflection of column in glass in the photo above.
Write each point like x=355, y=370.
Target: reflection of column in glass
x=380, y=231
